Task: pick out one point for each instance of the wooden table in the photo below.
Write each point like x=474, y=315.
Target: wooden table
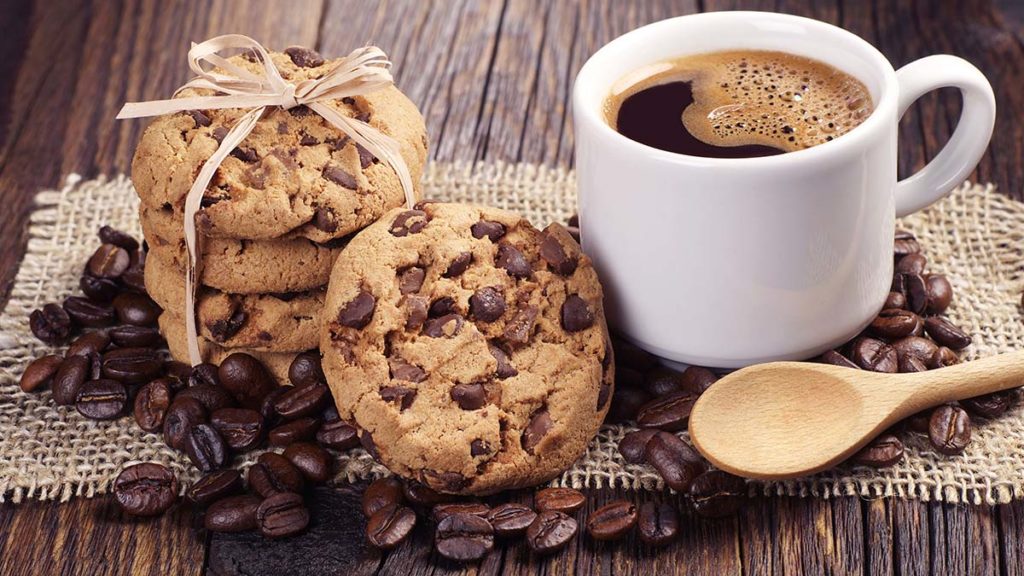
x=492, y=79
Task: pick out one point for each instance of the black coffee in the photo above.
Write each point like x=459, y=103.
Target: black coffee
x=740, y=104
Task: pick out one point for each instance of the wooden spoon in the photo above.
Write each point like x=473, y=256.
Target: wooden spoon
x=788, y=419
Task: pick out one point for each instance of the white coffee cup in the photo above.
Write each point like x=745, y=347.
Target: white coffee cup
x=731, y=262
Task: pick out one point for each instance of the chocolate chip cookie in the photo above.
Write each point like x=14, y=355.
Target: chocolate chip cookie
x=470, y=347
x=294, y=174
x=287, y=322
x=243, y=266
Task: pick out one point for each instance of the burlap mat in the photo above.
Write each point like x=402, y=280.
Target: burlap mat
x=46, y=452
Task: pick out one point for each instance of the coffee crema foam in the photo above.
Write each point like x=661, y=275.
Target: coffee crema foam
x=751, y=97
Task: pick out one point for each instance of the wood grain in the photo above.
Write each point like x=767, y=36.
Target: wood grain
x=493, y=81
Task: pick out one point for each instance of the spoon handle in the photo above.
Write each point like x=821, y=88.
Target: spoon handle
x=969, y=379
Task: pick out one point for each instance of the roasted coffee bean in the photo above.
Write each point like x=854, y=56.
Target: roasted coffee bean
x=136, y=309
x=836, y=359
x=882, y=452
x=205, y=448
x=905, y=243
x=442, y=511
x=909, y=363
x=536, y=430
x=916, y=291
x=912, y=264
x=232, y=514
x=626, y=402
x=716, y=494
x=940, y=293
x=658, y=382
x=895, y=300
x=338, y=435
x=550, y=531
x=50, y=324
x=178, y=374
x=943, y=357
x=273, y=473
x=658, y=523
x=280, y=515
x=632, y=356
x=444, y=481
x=241, y=428
x=560, y=499
x=949, y=429
x=464, y=537
x=305, y=369
x=634, y=444
x=212, y=397
x=95, y=367
x=302, y=401
x=151, y=404
x=894, y=323
x=108, y=261
x=313, y=461
x=510, y=259
x=116, y=237
x=945, y=333
x=135, y=336
x=101, y=399
x=89, y=344
x=98, y=289
x=576, y=314
x=921, y=348
x=204, y=374
x=134, y=280
x=389, y=526
x=875, y=355
x=382, y=493
x=246, y=378
x=39, y=372
x=146, y=489
x=487, y=304
x=990, y=405
x=87, y=313
x=132, y=365
x=458, y=265
x=697, y=379
x=674, y=460
x=612, y=521
x=420, y=494
x=214, y=486
x=510, y=519
x=919, y=422
x=183, y=414
x=492, y=230
x=293, y=431
x=667, y=413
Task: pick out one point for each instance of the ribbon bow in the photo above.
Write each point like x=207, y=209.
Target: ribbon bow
x=363, y=71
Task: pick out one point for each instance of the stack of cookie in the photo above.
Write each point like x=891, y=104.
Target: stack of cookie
x=274, y=218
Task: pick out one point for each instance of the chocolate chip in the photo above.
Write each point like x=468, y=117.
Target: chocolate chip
x=337, y=175
x=304, y=57
x=513, y=261
x=576, y=314
x=459, y=265
x=409, y=222
x=359, y=311
x=446, y=326
x=307, y=140
x=539, y=426
x=492, y=230
x=411, y=279
x=469, y=396
x=416, y=308
x=505, y=368
x=246, y=154
x=399, y=395
x=441, y=306
x=520, y=327
x=554, y=254
x=402, y=370
x=487, y=304
x=479, y=447
x=301, y=111
x=225, y=328
x=365, y=156
x=323, y=219
x=199, y=118
x=219, y=133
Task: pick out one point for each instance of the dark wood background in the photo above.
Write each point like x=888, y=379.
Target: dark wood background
x=492, y=79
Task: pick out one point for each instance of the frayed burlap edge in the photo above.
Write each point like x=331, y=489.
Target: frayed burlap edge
x=51, y=453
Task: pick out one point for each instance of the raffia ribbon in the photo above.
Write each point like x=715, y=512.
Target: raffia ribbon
x=363, y=71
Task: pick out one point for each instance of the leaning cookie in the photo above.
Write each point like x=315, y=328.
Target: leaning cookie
x=268, y=322
x=294, y=174
x=469, y=347
x=243, y=266
x=173, y=329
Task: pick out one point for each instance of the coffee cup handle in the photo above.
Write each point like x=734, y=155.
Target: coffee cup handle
x=961, y=154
